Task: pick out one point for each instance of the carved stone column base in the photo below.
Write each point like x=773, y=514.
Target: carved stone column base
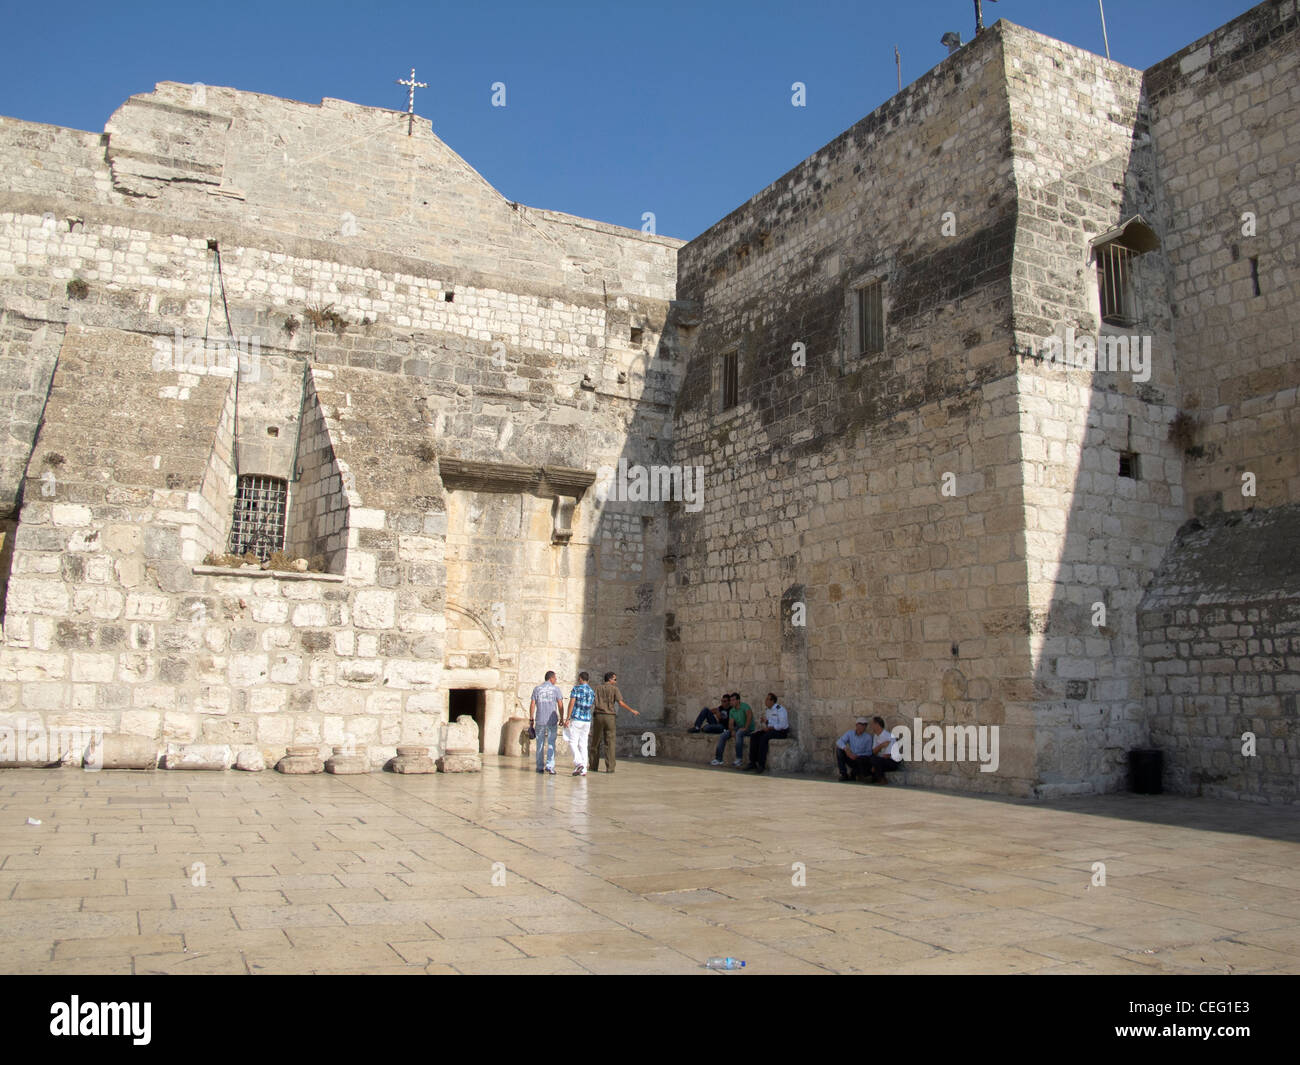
x=412, y=760
x=348, y=760
x=304, y=759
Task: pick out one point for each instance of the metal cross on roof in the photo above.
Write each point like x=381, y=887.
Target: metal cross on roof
x=410, y=98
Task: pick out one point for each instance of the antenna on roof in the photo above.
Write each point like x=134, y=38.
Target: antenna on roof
x=898, y=62
x=979, y=16
x=1104, y=38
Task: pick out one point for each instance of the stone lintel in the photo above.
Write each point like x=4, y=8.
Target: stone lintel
x=546, y=481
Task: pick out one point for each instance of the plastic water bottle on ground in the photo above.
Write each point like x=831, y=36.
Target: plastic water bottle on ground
x=724, y=963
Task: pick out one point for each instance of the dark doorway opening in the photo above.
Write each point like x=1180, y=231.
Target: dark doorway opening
x=472, y=701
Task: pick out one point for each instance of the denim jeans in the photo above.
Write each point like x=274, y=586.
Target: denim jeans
x=740, y=744
x=706, y=722
x=546, y=741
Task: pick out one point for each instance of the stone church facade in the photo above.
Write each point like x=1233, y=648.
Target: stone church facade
x=238, y=323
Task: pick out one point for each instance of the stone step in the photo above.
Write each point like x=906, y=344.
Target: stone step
x=681, y=745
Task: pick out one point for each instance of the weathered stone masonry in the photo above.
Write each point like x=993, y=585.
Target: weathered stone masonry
x=925, y=531
x=471, y=328
x=979, y=607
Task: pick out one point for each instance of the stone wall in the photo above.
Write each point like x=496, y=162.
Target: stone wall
x=440, y=375
x=1217, y=619
x=1093, y=538
x=318, y=512
x=830, y=563
x=1221, y=644
x=459, y=327
x=1225, y=121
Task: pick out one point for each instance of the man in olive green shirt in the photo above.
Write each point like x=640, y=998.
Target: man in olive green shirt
x=604, y=722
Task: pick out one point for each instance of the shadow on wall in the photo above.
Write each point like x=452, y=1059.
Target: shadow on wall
x=7, y=529
x=1103, y=484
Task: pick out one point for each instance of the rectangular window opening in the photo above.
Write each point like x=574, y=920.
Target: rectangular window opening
x=261, y=508
x=869, y=319
x=1254, y=274
x=730, y=378
x=1128, y=464
x=1115, y=284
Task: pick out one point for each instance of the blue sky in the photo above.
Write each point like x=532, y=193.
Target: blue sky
x=612, y=109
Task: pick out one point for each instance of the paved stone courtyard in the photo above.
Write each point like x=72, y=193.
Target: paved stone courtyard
x=649, y=870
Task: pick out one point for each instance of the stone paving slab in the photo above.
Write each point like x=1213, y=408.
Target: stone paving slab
x=508, y=872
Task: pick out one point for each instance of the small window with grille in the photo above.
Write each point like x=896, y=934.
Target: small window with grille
x=1115, y=284
x=867, y=305
x=1117, y=254
x=261, y=506
x=730, y=378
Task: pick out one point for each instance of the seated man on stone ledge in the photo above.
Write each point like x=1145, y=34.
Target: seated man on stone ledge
x=853, y=751
x=885, y=756
x=776, y=726
x=713, y=719
x=741, y=724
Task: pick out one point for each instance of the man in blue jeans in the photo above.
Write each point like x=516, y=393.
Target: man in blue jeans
x=713, y=719
x=544, y=718
x=740, y=725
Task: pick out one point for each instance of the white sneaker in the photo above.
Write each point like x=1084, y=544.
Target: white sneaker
x=737, y=762
x=717, y=761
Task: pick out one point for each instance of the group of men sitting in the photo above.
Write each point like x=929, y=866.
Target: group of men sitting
x=733, y=719
x=866, y=752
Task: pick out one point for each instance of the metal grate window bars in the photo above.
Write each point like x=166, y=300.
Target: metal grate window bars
x=261, y=508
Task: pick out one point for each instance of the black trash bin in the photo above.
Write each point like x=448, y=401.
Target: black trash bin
x=1145, y=771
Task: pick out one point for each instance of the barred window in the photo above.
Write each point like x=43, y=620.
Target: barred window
x=1117, y=252
x=730, y=378
x=868, y=307
x=261, y=505
x=1115, y=284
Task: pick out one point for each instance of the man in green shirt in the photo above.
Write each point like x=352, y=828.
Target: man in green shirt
x=740, y=724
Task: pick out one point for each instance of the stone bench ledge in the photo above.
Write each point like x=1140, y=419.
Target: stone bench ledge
x=284, y=575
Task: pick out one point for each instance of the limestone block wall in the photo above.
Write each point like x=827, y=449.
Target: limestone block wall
x=391, y=232
x=1220, y=629
x=216, y=496
x=1225, y=122
x=351, y=174
x=113, y=622
x=476, y=329
x=826, y=498
x=54, y=164
x=1093, y=538
x=520, y=604
x=318, y=514
x=27, y=352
